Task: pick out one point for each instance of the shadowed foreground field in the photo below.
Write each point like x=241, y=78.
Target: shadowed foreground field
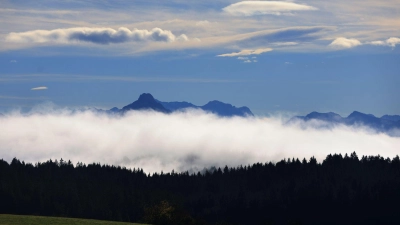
x=6, y=219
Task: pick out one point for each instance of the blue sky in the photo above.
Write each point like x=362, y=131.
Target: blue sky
x=272, y=56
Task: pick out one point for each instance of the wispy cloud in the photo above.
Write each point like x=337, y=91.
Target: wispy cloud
x=21, y=98
x=251, y=8
x=342, y=42
x=79, y=77
x=13, y=61
x=94, y=35
x=246, y=52
x=39, y=88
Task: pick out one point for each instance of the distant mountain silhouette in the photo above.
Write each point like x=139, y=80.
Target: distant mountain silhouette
x=145, y=102
x=330, y=117
x=176, y=106
x=216, y=107
x=224, y=109
x=114, y=110
x=391, y=117
x=148, y=102
x=385, y=123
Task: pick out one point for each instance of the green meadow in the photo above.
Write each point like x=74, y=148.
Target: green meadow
x=6, y=219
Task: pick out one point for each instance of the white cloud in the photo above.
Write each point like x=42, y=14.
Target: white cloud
x=392, y=42
x=377, y=43
x=246, y=52
x=13, y=61
x=247, y=61
x=291, y=43
x=242, y=58
x=181, y=141
x=39, y=88
x=94, y=35
x=342, y=42
x=250, y=8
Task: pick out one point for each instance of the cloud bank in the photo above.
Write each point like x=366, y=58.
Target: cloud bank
x=181, y=141
x=94, y=35
x=246, y=52
x=251, y=8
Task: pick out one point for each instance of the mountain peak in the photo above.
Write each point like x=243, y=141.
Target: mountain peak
x=330, y=116
x=216, y=107
x=359, y=114
x=215, y=102
x=146, y=97
x=146, y=101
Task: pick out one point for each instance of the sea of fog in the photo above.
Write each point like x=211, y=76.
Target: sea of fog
x=190, y=140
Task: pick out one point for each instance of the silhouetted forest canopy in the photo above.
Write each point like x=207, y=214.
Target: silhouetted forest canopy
x=340, y=190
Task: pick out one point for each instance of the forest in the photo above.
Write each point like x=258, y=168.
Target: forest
x=339, y=190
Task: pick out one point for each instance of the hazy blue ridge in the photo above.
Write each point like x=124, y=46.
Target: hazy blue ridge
x=176, y=106
x=384, y=124
x=391, y=117
x=216, y=107
x=147, y=102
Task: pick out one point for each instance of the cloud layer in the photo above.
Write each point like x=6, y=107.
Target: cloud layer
x=352, y=42
x=94, y=35
x=182, y=141
x=251, y=8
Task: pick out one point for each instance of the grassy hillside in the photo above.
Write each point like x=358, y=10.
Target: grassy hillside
x=42, y=220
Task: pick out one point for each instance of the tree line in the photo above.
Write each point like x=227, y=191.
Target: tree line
x=340, y=190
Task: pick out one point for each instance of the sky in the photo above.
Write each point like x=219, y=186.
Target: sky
x=272, y=56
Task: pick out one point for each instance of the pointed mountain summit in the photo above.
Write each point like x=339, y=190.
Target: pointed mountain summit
x=145, y=102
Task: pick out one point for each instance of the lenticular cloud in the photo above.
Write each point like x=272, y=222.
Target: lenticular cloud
x=182, y=141
x=94, y=35
x=251, y=8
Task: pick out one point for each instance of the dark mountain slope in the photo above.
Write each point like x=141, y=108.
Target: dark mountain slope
x=383, y=124
x=145, y=102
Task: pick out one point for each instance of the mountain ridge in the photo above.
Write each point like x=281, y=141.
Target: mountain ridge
x=147, y=102
x=384, y=123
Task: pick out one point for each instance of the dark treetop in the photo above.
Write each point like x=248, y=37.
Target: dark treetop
x=340, y=190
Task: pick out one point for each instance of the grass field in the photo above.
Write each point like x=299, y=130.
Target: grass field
x=6, y=219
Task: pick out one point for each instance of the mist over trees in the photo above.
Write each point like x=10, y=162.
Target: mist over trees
x=340, y=190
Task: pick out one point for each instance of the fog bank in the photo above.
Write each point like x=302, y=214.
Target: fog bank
x=180, y=141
